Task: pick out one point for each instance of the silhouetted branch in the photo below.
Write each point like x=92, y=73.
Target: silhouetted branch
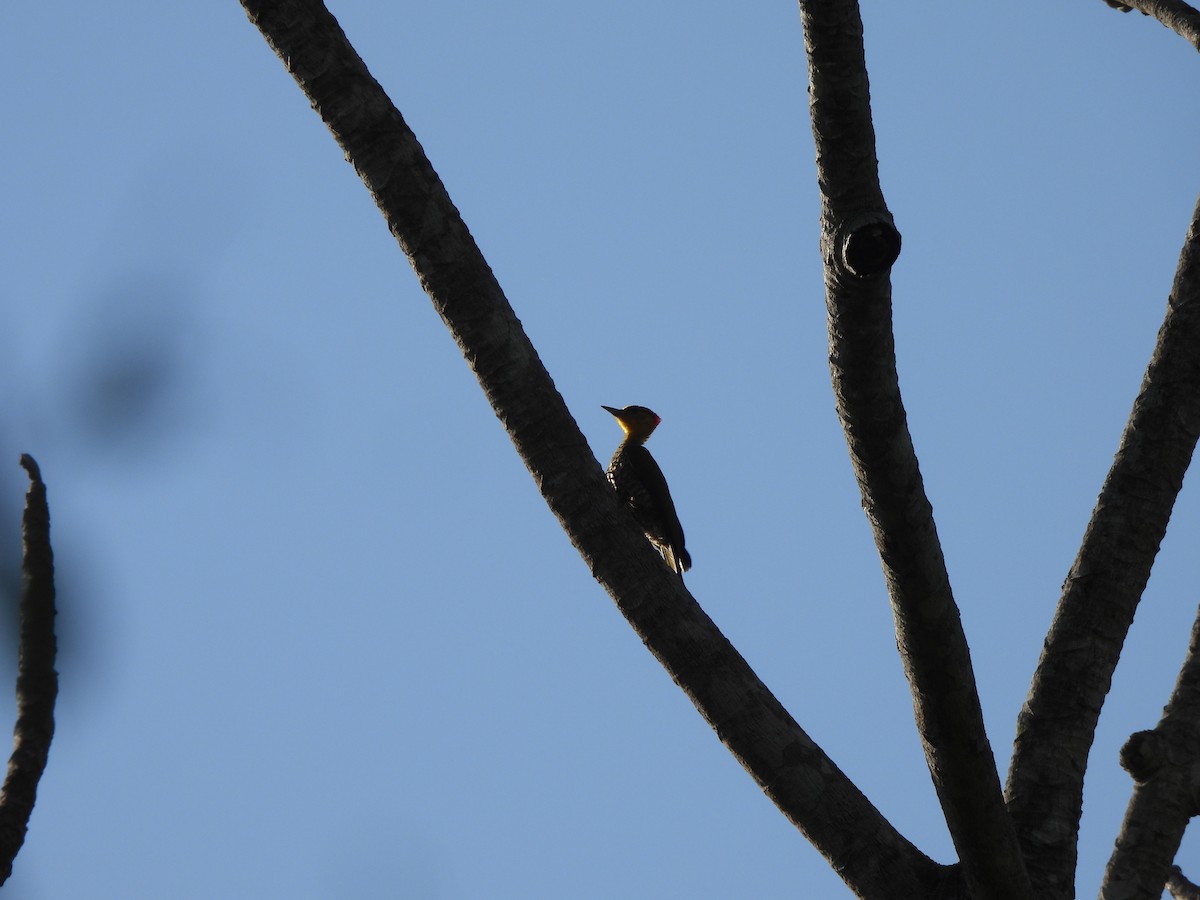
x=37, y=682
x=1165, y=765
x=1058, y=721
x=862, y=357
x=1180, y=17
x=791, y=769
x=1179, y=887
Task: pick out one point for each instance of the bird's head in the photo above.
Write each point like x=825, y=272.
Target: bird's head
x=636, y=421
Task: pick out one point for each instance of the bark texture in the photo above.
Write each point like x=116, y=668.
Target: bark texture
x=1057, y=723
x=1180, y=17
x=863, y=364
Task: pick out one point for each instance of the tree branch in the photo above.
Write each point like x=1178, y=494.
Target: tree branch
x=37, y=682
x=1057, y=723
x=809, y=789
x=1165, y=765
x=863, y=363
x=1180, y=17
x=1179, y=887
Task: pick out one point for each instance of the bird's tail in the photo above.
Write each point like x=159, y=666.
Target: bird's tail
x=680, y=561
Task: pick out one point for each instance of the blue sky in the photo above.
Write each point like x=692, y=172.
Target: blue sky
x=321, y=638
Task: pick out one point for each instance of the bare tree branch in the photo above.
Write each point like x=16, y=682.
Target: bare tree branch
x=809, y=789
x=862, y=356
x=1057, y=724
x=1179, y=887
x=37, y=682
x=1180, y=17
x=1165, y=765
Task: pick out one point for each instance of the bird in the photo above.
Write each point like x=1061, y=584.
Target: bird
x=640, y=485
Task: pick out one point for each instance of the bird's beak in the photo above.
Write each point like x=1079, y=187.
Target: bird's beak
x=615, y=412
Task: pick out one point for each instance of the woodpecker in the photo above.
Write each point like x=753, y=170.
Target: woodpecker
x=640, y=484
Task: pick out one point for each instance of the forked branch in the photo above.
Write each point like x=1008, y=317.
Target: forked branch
x=806, y=785
x=862, y=359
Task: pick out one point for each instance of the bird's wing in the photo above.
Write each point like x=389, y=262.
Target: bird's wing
x=660, y=497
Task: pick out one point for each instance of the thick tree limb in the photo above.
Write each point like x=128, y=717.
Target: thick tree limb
x=810, y=790
x=1180, y=17
x=1057, y=723
x=37, y=682
x=863, y=363
x=1165, y=765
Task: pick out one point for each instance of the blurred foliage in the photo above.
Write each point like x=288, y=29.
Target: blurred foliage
x=122, y=368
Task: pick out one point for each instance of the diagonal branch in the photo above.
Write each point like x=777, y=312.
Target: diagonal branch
x=793, y=771
x=1165, y=765
x=1180, y=17
x=863, y=364
x=37, y=682
x=1057, y=723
